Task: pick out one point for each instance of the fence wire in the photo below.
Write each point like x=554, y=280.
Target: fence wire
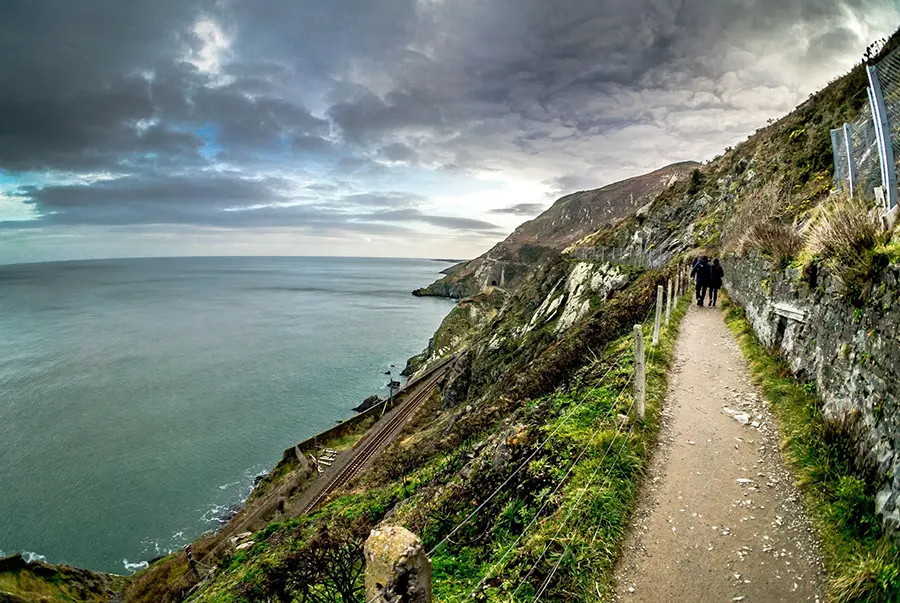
x=857, y=155
x=865, y=151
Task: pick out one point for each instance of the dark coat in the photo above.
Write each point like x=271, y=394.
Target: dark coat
x=702, y=270
x=717, y=274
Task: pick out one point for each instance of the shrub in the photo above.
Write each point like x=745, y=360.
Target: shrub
x=843, y=234
x=780, y=243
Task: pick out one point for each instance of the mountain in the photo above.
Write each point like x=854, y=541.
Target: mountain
x=568, y=220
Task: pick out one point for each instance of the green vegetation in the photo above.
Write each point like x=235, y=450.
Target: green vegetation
x=532, y=536
x=53, y=584
x=695, y=182
x=862, y=563
x=446, y=464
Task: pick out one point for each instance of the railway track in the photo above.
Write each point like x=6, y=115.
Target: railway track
x=376, y=442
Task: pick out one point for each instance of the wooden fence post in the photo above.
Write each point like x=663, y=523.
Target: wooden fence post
x=677, y=291
x=640, y=372
x=656, y=321
x=668, y=302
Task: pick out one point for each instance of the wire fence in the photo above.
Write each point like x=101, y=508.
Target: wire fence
x=867, y=150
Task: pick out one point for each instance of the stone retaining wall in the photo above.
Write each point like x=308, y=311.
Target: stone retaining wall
x=851, y=354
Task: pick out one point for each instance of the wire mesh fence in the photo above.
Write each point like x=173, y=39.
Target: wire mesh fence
x=867, y=150
x=888, y=70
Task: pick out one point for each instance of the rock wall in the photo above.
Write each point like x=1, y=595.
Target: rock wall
x=851, y=354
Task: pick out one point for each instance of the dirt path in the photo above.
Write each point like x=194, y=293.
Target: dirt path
x=720, y=519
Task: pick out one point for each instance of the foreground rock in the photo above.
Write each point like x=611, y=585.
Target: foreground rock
x=397, y=568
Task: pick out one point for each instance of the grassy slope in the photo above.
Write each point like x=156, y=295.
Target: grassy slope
x=862, y=563
x=54, y=584
x=581, y=528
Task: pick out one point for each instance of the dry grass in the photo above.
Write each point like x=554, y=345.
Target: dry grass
x=843, y=230
x=756, y=207
x=779, y=242
x=844, y=234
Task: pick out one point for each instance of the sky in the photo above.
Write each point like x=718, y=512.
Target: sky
x=404, y=128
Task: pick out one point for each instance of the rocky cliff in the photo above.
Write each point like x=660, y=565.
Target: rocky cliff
x=569, y=219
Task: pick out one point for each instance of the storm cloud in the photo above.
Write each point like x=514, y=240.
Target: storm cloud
x=411, y=117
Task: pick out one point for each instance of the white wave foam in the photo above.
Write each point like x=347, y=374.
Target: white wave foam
x=133, y=567
x=29, y=556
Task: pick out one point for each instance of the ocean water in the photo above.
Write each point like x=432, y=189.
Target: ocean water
x=139, y=398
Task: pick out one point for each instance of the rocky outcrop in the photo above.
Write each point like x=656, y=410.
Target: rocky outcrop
x=397, y=568
x=852, y=355
x=570, y=299
x=368, y=403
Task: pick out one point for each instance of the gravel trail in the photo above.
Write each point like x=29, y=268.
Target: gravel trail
x=720, y=519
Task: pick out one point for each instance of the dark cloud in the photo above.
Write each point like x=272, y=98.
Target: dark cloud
x=398, y=152
x=231, y=200
x=415, y=215
x=300, y=110
x=520, y=209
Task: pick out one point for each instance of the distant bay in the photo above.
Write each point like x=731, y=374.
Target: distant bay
x=139, y=398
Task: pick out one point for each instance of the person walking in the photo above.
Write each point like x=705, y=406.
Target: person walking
x=715, y=281
x=703, y=274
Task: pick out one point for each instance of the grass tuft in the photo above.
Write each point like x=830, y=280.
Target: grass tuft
x=778, y=242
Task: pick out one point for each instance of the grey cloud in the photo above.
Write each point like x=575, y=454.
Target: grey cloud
x=398, y=152
x=520, y=209
x=415, y=215
x=384, y=200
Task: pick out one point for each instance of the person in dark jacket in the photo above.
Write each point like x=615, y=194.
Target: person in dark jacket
x=702, y=272
x=715, y=281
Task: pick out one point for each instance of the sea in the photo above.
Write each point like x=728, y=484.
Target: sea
x=140, y=398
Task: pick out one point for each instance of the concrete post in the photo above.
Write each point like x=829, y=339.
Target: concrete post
x=397, y=568
x=640, y=372
x=656, y=321
x=669, y=302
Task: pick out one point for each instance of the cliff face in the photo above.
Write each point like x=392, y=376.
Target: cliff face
x=569, y=219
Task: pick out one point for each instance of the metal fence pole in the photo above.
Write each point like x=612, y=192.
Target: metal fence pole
x=883, y=135
x=640, y=372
